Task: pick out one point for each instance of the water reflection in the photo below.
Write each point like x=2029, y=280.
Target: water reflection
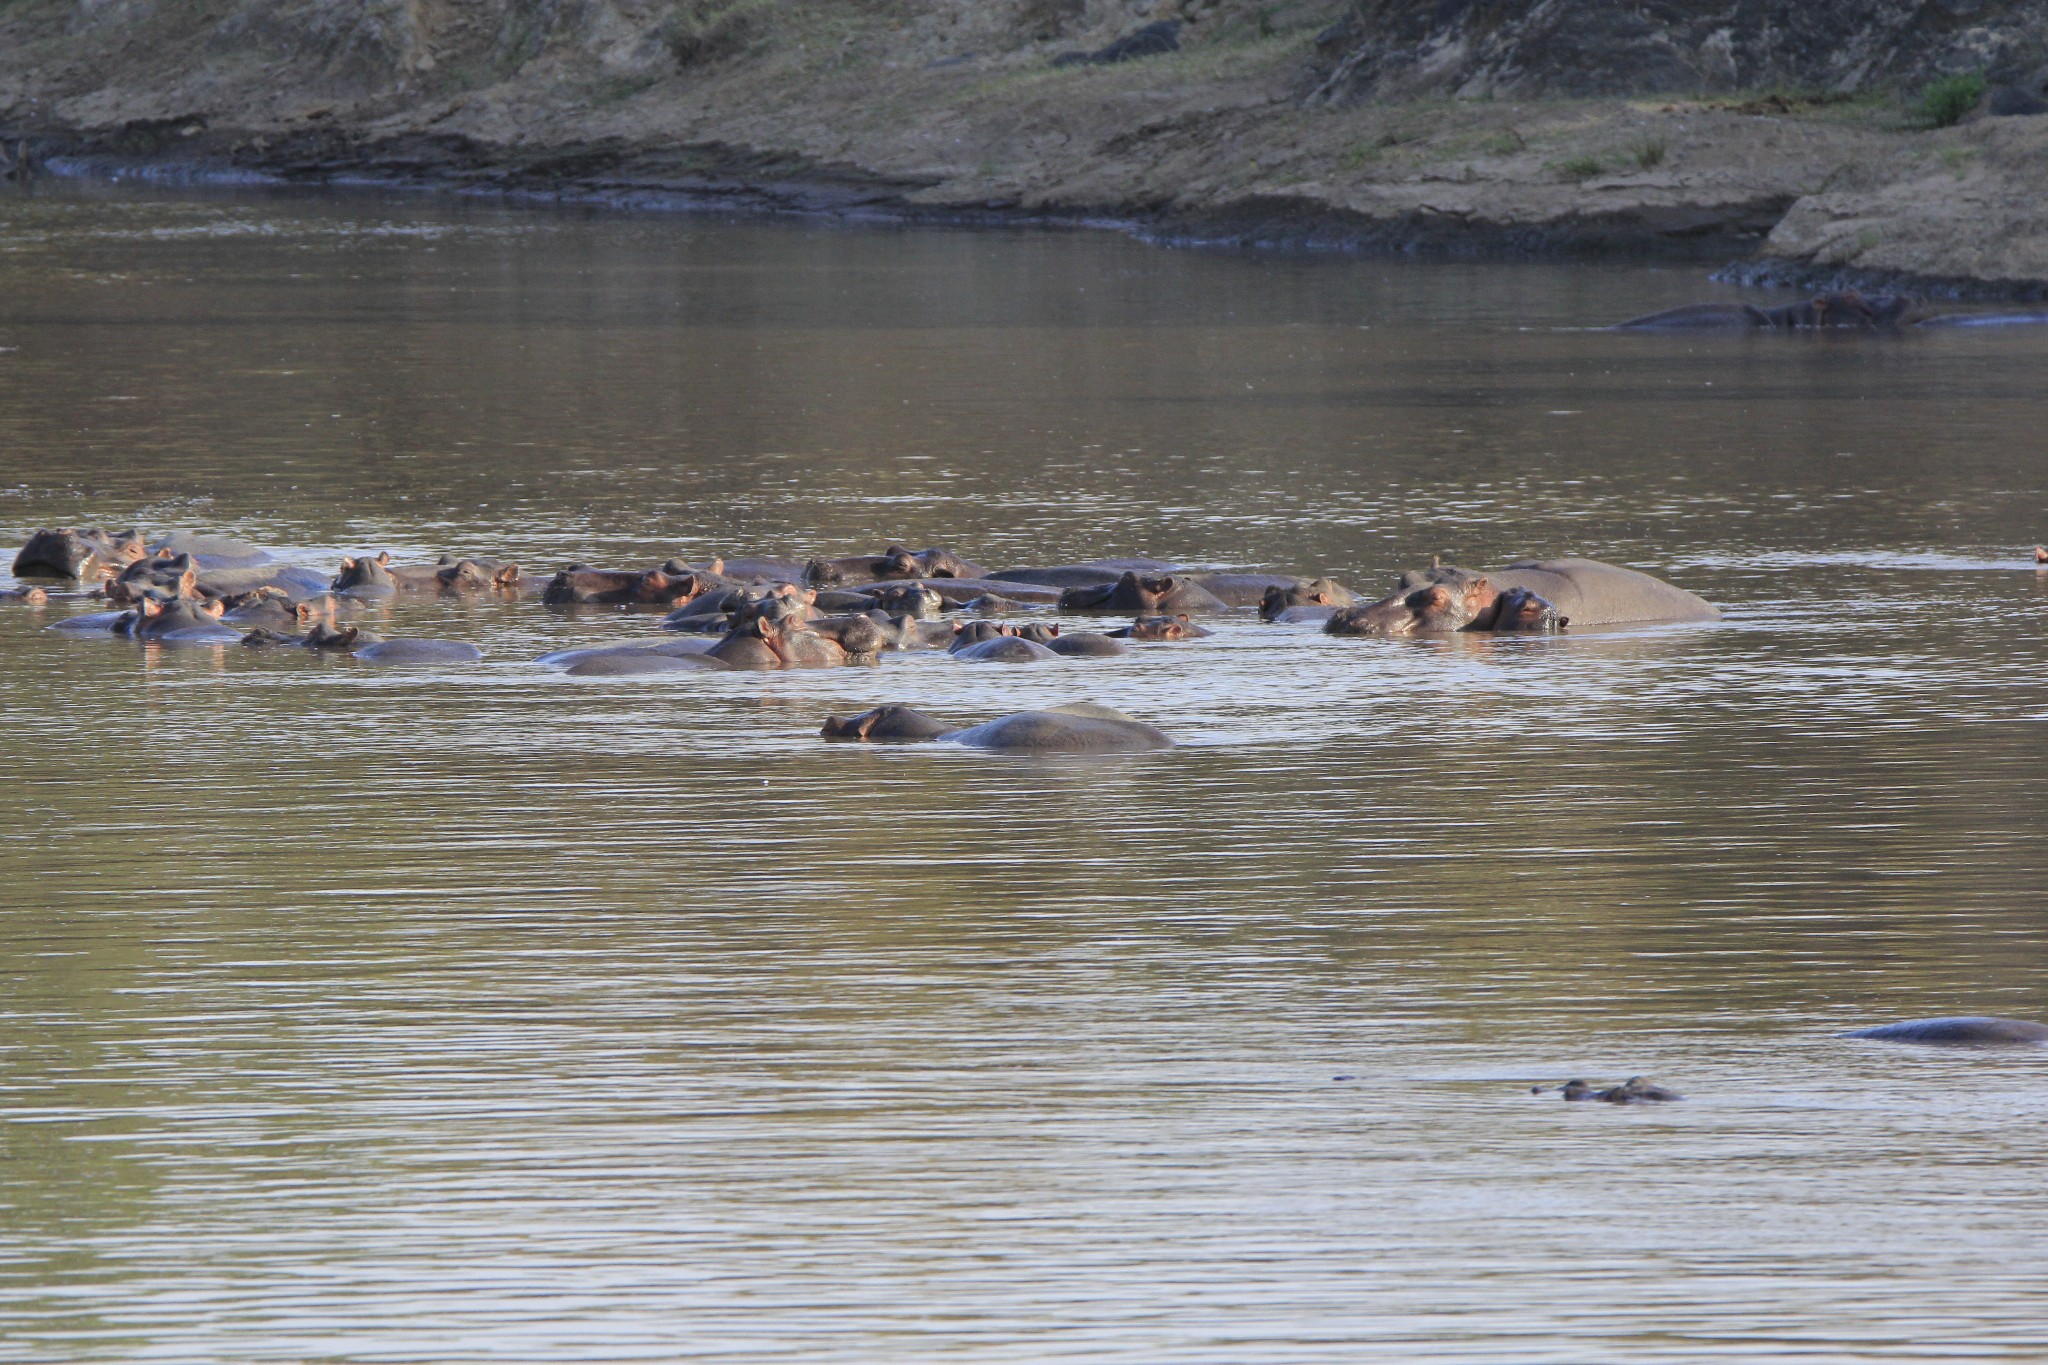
x=478, y=1012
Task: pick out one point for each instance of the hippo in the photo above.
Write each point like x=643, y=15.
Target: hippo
x=640, y=662
x=367, y=576
x=1518, y=609
x=907, y=599
x=867, y=634
x=2041, y=554
x=1963, y=1030
x=1843, y=309
x=467, y=575
x=1581, y=592
x=211, y=552
x=1086, y=645
x=564, y=658
x=958, y=592
x=323, y=635
x=95, y=623
x=294, y=579
x=1089, y=573
x=270, y=608
x=997, y=642
x=1634, y=1090
x=419, y=651
x=655, y=586
x=1142, y=595
x=173, y=620
x=765, y=642
x=893, y=562
x=166, y=574
x=31, y=597
x=1003, y=649
x=1161, y=629
x=1243, y=589
x=1304, y=592
x=1077, y=728
x=78, y=552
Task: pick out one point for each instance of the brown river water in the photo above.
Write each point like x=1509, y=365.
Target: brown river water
x=474, y=1013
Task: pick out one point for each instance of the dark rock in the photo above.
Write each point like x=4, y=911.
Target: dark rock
x=1526, y=48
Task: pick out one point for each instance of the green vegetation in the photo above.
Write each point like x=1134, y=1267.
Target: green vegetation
x=1582, y=167
x=1649, y=153
x=1944, y=102
x=706, y=30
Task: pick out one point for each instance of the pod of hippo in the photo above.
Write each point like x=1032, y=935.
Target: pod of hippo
x=768, y=612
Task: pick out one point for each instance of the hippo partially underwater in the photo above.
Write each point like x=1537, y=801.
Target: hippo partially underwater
x=1531, y=595
x=1844, y=309
x=1961, y=1030
x=1076, y=728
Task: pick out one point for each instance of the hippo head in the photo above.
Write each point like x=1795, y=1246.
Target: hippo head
x=659, y=585
x=909, y=599
x=938, y=563
x=466, y=575
x=1518, y=609
x=364, y=572
x=1166, y=627
x=327, y=635
x=69, y=552
x=897, y=562
x=321, y=608
x=823, y=573
x=885, y=723
x=176, y=575
x=1040, y=633
x=967, y=633
x=34, y=597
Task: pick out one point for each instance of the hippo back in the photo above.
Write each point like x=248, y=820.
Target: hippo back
x=1589, y=593
x=1078, y=728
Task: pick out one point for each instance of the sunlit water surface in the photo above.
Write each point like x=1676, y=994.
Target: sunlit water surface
x=475, y=1012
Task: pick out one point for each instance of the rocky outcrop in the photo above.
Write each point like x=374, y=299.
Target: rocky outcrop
x=1262, y=122
x=1521, y=49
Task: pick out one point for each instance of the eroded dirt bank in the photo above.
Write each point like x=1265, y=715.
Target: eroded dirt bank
x=1255, y=128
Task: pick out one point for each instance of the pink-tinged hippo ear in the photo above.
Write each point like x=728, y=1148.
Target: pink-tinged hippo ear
x=506, y=576
x=1054, y=628
x=165, y=553
x=717, y=564
x=149, y=606
x=1182, y=618
x=383, y=556
x=958, y=627
x=215, y=608
x=347, y=563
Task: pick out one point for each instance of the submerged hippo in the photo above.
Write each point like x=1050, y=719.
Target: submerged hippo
x=1280, y=600
x=211, y=552
x=892, y=563
x=655, y=587
x=1161, y=629
x=1089, y=573
x=419, y=651
x=1634, y=1090
x=1842, y=309
x=175, y=620
x=1140, y=594
x=1001, y=643
x=1077, y=728
x=766, y=642
x=78, y=552
x=32, y=597
x=1838, y=309
x=1962, y=1030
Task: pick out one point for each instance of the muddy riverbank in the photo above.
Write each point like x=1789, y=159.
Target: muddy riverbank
x=954, y=114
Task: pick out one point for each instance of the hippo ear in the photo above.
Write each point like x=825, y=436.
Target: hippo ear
x=347, y=563
x=149, y=606
x=958, y=627
x=506, y=576
x=1182, y=617
x=1053, y=629
x=1563, y=621
x=717, y=564
x=216, y=608
x=383, y=556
